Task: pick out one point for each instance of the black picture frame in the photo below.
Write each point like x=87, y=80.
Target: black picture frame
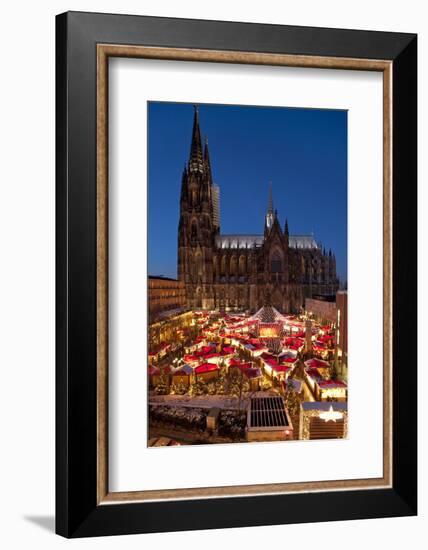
x=77, y=512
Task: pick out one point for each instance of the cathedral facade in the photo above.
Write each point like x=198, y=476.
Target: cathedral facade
x=237, y=272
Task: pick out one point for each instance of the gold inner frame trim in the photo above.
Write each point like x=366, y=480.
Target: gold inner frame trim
x=104, y=51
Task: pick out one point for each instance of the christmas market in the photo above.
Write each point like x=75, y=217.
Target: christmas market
x=247, y=332
x=230, y=363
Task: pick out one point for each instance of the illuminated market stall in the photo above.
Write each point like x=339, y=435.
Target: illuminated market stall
x=268, y=419
x=207, y=371
x=323, y=420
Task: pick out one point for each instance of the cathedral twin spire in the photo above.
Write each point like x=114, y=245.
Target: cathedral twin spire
x=199, y=161
x=197, y=179
x=270, y=217
x=271, y=214
x=207, y=161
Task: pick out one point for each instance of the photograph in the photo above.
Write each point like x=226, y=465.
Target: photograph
x=191, y=191
x=247, y=258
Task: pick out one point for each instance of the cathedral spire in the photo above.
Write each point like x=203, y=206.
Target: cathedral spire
x=207, y=159
x=270, y=200
x=286, y=227
x=184, y=184
x=270, y=213
x=196, y=157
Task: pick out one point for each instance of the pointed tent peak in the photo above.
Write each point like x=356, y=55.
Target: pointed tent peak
x=267, y=313
x=196, y=157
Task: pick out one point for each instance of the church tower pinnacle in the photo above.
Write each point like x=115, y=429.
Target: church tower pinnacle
x=197, y=227
x=270, y=213
x=238, y=272
x=207, y=161
x=196, y=161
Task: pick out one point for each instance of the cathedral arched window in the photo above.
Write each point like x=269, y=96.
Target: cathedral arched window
x=194, y=197
x=194, y=231
x=215, y=267
x=242, y=265
x=233, y=265
x=275, y=263
x=223, y=265
x=198, y=264
x=193, y=269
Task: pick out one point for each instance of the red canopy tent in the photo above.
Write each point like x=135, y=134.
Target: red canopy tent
x=206, y=367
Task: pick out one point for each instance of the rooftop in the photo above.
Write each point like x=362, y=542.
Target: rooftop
x=267, y=412
x=162, y=278
x=249, y=241
x=324, y=405
x=268, y=314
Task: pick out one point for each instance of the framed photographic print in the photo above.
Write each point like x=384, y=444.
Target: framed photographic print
x=236, y=274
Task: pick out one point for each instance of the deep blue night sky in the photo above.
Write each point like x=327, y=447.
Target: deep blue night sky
x=303, y=152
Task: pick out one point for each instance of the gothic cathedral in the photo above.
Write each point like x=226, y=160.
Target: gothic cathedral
x=237, y=272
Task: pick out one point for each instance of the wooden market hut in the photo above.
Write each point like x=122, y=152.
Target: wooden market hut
x=182, y=375
x=323, y=420
x=323, y=367
x=206, y=372
x=158, y=376
x=153, y=374
x=249, y=372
